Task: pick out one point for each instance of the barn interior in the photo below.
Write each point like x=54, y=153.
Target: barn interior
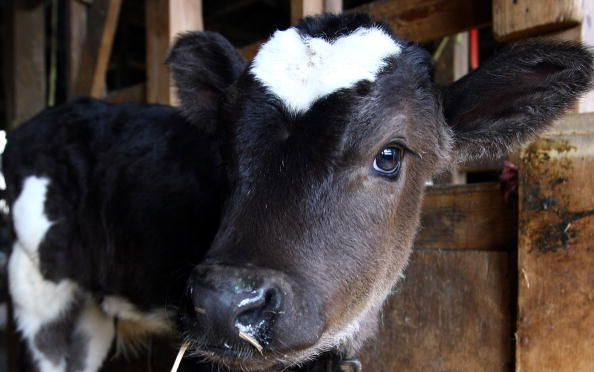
x=494, y=284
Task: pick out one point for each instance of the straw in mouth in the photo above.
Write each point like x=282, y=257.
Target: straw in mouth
x=180, y=355
x=249, y=338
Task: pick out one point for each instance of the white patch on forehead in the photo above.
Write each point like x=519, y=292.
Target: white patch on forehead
x=301, y=69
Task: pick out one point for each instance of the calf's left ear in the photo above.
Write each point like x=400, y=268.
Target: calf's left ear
x=515, y=95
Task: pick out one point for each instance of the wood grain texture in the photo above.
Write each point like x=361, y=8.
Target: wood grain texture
x=426, y=20
x=452, y=312
x=102, y=22
x=555, y=252
x=25, y=81
x=515, y=19
x=164, y=20
x=472, y=217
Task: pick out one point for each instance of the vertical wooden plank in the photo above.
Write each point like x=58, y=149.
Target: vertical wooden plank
x=101, y=27
x=513, y=19
x=333, y=6
x=164, y=20
x=25, y=74
x=304, y=8
x=452, y=312
x=555, y=330
x=77, y=33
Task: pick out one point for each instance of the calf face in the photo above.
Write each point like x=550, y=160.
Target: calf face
x=329, y=136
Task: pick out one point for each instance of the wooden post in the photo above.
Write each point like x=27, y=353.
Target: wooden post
x=555, y=330
x=164, y=20
x=77, y=34
x=25, y=73
x=101, y=27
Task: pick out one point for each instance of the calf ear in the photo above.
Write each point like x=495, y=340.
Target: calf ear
x=203, y=65
x=515, y=95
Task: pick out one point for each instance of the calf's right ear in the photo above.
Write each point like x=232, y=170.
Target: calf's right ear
x=203, y=65
x=515, y=95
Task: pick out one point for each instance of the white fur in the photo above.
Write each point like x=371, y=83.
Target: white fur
x=100, y=330
x=30, y=220
x=157, y=321
x=36, y=301
x=300, y=69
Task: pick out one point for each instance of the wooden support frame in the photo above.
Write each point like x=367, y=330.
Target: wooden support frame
x=101, y=26
x=164, y=20
x=426, y=20
x=25, y=67
x=555, y=330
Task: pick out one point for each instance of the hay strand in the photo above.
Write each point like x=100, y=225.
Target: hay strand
x=249, y=338
x=180, y=355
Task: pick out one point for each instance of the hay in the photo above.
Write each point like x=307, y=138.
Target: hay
x=249, y=338
x=180, y=355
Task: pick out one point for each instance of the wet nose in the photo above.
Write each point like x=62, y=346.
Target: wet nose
x=237, y=310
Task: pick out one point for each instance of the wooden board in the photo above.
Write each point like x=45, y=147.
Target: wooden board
x=555, y=256
x=77, y=33
x=304, y=8
x=24, y=58
x=101, y=22
x=514, y=19
x=164, y=20
x=426, y=20
x=470, y=217
x=452, y=312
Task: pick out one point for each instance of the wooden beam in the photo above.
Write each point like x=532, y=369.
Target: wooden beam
x=101, y=27
x=452, y=311
x=164, y=20
x=426, y=20
x=77, y=33
x=555, y=330
x=304, y=8
x=24, y=57
x=471, y=217
x=132, y=93
x=526, y=18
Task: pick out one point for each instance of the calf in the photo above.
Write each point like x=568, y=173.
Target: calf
x=320, y=148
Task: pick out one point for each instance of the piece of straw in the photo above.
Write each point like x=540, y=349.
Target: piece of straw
x=249, y=338
x=180, y=355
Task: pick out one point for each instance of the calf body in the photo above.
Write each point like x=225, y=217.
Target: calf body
x=325, y=141
x=112, y=206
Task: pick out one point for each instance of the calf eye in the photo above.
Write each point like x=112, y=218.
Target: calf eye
x=387, y=162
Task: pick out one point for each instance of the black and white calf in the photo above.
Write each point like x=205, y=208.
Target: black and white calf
x=320, y=149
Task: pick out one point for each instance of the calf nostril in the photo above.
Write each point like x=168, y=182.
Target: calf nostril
x=256, y=314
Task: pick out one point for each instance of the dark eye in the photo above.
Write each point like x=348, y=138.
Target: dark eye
x=387, y=162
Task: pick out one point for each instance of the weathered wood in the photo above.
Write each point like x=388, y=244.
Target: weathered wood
x=24, y=58
x=555, y=261
x=164, y=20
x=514, y=19
x=452, y=312
x=425, y=20
x=77, y=33
x=133, y=93
x=470, y=217
x=101, y=27
x=452, y=62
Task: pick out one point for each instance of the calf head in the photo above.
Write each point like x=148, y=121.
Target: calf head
x=329, y=136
